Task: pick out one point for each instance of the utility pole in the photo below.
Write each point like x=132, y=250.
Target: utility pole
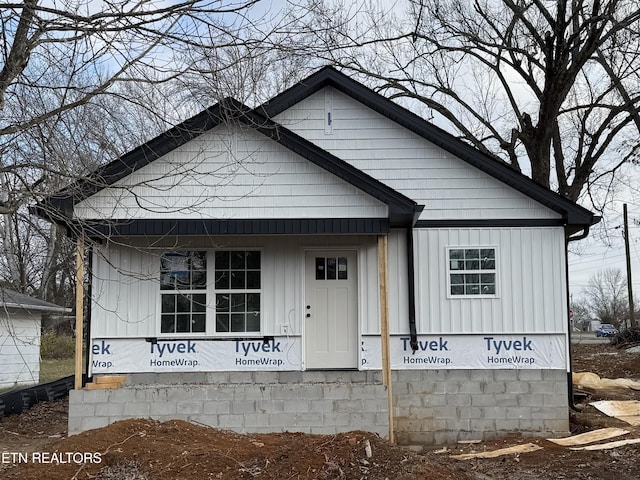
x=626, y=247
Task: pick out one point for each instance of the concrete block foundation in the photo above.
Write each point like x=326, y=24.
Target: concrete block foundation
x=431, y=407
x=435, y=407
x=309, y=402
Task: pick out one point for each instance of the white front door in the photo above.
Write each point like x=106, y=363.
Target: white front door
x=331, y=309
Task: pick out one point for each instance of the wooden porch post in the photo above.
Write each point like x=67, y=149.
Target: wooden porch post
x=79, y=310
x=384, y=330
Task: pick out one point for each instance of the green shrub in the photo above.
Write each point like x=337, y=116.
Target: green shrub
x=54, y=345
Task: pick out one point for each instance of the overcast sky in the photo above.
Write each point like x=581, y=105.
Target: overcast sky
x=600, y=252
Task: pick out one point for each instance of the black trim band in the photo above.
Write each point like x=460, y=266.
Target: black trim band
x=496, y=222
x=299, y=226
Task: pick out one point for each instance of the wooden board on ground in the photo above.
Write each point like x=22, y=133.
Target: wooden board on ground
x=625, y=410
x=589, y=437
x=527, y=447
x=610, y=445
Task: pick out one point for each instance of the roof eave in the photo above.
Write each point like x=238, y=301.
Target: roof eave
x=58, y=207
x=35, y=308
x=328, y=76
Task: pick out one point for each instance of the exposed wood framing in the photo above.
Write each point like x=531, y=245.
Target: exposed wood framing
x=384, y=320
x=79, y=310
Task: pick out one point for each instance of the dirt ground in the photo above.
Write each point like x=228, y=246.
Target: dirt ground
x=149, y=450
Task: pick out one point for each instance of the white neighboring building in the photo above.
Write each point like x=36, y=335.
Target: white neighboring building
x=20, y=326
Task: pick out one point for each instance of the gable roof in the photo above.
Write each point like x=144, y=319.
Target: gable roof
x=572, y=213
x=403, y=211
x=59, y=207
x=10, y=299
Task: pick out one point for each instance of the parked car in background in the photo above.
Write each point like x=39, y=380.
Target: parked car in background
x=606, y=330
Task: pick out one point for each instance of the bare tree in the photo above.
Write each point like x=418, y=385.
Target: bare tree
x=56, y=56
x=251, y=74
x=580, y=314
x=551, y=88
x=606, y=296
x=35, y=255
x=81, y=82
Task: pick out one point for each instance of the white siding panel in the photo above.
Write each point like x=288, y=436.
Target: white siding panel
x=531, y=273
x=126, y=289
x=369, y=287
x=125, y=282
x=447, y=186
x=531, y=282
x=19, y=348
x=230, y=172
x=398, y=283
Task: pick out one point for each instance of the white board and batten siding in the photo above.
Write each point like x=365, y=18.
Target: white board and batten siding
x=530, y=274
x=448, y=187
x=126, y=287
x=230, y=172
x=531, y=277
x=19, y=348
x=397, y=284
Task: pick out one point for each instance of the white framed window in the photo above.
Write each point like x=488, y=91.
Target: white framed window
x=183, y=287
x=472, y=272
x=187, y=298
x=237, y=291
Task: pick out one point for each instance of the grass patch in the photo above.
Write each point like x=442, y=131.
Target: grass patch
x=56, y=356
x=55, y=346
x=55, y=368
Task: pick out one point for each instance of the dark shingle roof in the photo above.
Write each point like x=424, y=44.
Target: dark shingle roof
x=10, y=299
